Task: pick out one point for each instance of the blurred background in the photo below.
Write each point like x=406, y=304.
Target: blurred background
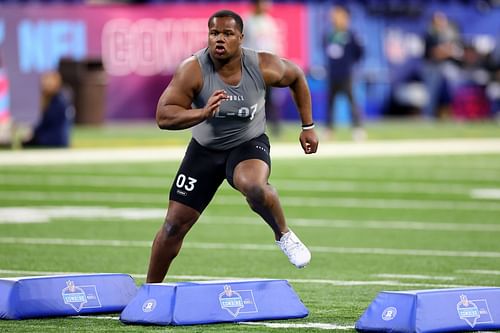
x=66, y=64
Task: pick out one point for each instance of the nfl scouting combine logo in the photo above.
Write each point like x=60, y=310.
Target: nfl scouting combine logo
x=389, y=313
x=80, y=297
x=149, y=305
x=237, y=301
x=474, y=311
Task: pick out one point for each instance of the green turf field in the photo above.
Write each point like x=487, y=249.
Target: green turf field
x=148, y=134
x=372, y=223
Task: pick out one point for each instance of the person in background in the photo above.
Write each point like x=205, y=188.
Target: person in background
x=468, y=91
x=493, y=87
x=442, y=49
x=262, y=34
x=5, y=118
x=57, y=114
x=343, y=51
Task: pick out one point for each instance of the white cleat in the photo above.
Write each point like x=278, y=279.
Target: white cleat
x=295, y=250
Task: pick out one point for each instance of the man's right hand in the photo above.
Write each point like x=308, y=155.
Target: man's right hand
x=214, y=103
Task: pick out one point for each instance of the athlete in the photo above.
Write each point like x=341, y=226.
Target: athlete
x=219, y=93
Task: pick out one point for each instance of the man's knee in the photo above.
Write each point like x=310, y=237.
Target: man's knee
x=259, y=194
x=173, y=230
x=177, y=224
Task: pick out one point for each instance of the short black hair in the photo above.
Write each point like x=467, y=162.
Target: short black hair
x=343, y=7
x=228, y=13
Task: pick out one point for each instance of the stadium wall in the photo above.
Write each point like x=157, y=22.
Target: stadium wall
x=141, y=45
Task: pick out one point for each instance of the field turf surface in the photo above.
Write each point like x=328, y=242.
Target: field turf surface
x=372, y=224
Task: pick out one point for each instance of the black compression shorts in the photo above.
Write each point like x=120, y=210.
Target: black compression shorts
x=203, y=170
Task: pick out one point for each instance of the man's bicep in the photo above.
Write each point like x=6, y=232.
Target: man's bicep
x=181, y=89
x=290, y=73
x=177, y=94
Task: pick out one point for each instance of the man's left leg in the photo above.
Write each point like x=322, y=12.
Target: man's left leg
x=250, y=177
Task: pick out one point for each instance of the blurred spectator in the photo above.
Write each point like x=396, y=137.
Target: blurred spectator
x=262, y=34
x=343, y=51
x=57, y=113
x=469, y=100
x=442, y=49
x=493, y=87
x=5, y=119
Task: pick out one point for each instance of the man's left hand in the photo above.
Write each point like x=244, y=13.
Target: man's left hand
x=309, y=141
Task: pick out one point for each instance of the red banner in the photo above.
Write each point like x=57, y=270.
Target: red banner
x=140, y=46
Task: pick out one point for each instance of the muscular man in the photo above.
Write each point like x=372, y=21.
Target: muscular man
x=219, y=92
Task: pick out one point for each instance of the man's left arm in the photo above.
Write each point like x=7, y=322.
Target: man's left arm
x=359, y=50
x=284, y=73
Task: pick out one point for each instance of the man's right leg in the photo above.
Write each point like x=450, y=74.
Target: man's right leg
x=168, y=241
x=330, y=111
x=200, y=174
x=358, y=132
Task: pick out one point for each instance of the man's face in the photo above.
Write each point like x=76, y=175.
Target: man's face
x=224, y=38
x=340, y=18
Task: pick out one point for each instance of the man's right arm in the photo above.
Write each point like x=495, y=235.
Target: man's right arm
x=174, y=111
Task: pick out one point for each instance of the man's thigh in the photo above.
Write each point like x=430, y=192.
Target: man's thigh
x=258, y=148
x=199, y=176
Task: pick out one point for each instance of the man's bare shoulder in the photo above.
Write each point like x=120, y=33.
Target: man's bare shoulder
x=188, y=73
x=271, y=67
x=190, y=65
x=267, y=58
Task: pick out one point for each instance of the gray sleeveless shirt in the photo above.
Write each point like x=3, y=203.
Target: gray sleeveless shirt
x=241, y=117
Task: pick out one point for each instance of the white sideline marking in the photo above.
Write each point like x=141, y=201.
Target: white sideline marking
x=401, y=225
x=95, y=317
x=329, y=186
x=479, y=271
x=237, y=200
x=280, y=150
x=45, y=214
x=245, y=247
x=485, y=193
x=284, y=184
x=344, y=173
x=400, y=173
x=341, y=283
x=371, y=203
x=337, y=283
x=321, y=326
x=415, y=277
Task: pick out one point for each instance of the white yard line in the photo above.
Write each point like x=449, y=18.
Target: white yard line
x=321, y=326
x=45, y=214
x=279, y=150
x=313, y=185
x=414, y=277
x=95, y=317
x=283, y=325
x=284, y=184
x=338, y=172
x=391, y=225
x=255, y=247
x=90, y=156
x=398, y=172
x=485, y=193
x=336, y=283
x=479, y=271
x=238, y=200
x=372, y=203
